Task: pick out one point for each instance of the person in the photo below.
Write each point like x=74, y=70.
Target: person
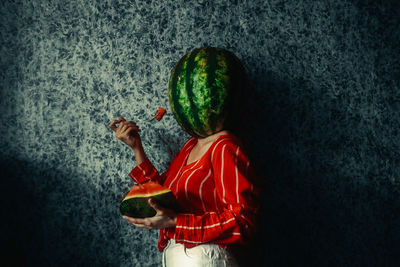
x=214, y=185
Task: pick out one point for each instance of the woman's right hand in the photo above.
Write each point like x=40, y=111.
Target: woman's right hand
x=126, y=131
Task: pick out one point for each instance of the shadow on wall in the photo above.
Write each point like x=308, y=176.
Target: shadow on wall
x=45, y=224
x=313, y=214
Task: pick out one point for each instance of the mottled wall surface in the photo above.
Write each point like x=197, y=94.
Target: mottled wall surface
x=326, y=137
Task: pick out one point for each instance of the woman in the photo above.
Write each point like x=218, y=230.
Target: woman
x=212, y=180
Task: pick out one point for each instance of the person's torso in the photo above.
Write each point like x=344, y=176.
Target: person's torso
x=194, y=184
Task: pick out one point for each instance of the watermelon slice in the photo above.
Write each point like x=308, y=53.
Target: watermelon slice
x=160, y=113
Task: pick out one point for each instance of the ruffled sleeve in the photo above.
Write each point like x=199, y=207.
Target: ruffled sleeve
x=145, y=171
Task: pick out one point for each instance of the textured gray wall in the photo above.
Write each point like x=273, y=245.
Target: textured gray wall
x=326, y=136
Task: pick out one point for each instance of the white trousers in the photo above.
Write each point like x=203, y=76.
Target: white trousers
x=205, y=255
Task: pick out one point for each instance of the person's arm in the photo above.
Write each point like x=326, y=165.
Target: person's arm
x=128, y=133
x=145, y=171
x=138, y=151
x=236, y=222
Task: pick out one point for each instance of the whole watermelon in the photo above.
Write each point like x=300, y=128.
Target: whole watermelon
x=205, y=91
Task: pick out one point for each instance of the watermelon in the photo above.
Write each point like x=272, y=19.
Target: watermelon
x=205, y=90
x=135, y=204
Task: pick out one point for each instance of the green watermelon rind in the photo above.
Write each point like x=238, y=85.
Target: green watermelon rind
x=138, y=207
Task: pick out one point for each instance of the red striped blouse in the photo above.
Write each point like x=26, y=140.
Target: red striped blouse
x=216, y=194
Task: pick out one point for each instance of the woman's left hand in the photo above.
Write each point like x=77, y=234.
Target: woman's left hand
x=164, y=218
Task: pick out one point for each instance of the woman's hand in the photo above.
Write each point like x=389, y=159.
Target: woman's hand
x=164, y=218
x=126, y=131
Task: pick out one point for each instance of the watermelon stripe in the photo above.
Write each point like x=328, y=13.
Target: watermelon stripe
x=213, y=119
x=196, y=125
x=182, y=94
x=201, y=91
x=175, y=95
x=223, y=84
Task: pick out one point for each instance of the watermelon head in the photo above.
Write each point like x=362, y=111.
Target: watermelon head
x=205, y=90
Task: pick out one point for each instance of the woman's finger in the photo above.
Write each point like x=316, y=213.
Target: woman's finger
x=122, y=127
x=125, y=131
x=141, y=226
x=131, y=123
x=156, y=206
x=134, y=220
x=128, y=123
x=130, y=130
x=113, y=126
x=138, y=222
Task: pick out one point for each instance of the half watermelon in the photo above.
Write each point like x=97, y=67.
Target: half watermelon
x=135, y=204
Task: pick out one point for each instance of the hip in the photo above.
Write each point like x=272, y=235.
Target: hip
x=203, y=255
